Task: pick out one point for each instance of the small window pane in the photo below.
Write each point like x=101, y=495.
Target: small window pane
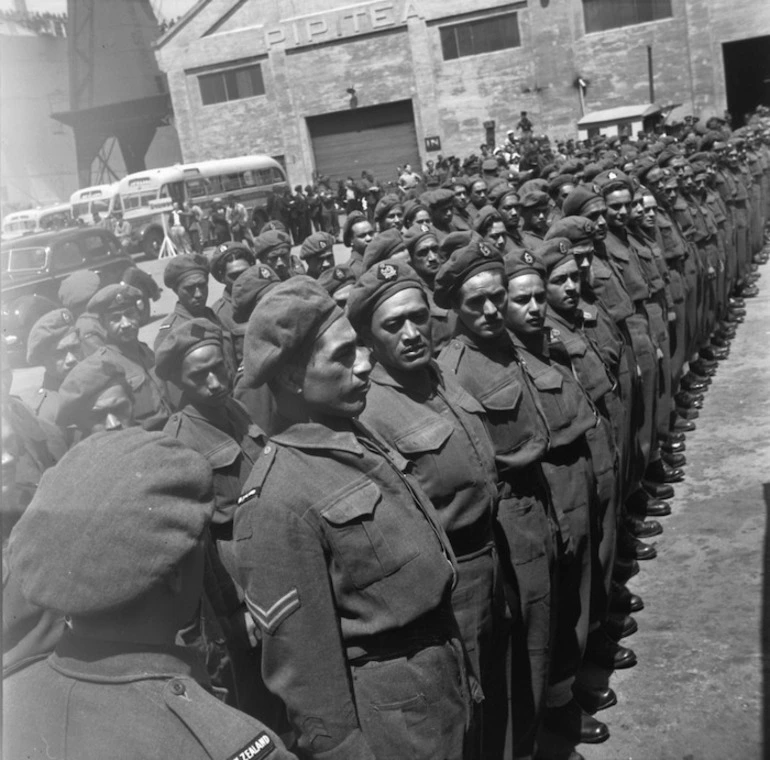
x=600, y=15
x=480, y=36
x=212, y=89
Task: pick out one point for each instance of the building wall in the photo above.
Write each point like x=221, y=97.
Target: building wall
x=312, y=50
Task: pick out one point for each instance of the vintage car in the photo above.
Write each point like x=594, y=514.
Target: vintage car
x=32, y=268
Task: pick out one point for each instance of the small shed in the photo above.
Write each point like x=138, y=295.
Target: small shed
x=623, y=120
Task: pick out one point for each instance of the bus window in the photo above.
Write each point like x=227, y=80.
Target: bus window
x=196, y=188
x=249, y=179
x=232, y=182
x=174, y=190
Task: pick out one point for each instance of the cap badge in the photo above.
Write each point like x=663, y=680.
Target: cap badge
x=387, y=272
x=563, y=247
x=596, y=188
x=339, y=274
x=120, y=299
x=588, y=226
x=322, y=245
x=612, y=175
x=265, y=273
x=485, y=250
x=66, y=317
x=528, y=257
x=425, y=227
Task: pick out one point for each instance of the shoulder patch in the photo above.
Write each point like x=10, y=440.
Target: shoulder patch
x=269, y=619
x=259, y=472
x=164, y=327
x=260, y=746
x=246, y=496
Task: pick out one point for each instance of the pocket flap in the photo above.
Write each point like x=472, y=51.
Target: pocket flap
x=223, y=455
x=503, y=397
x=549, y=380
x=355, y=505
x=432, y=434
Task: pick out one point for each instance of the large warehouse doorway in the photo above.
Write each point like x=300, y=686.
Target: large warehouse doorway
x=376, y=139
x=747, y=76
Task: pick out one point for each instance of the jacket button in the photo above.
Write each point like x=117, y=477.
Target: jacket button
x=177, y=687
x=267, y=449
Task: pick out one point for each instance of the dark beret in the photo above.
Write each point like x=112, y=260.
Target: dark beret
x=553, y=252
x=538, y=183
x=46, y=333
x=490, y=165
x=317, y=244
x=462, y=264
x=459, y=181
x=577, y=229
x=290, y=316
x=411, y=209
x=385, y=204
x=572, y=166
x=699, y=167
x=273, y=225
x=78, y=289
x=270, y=242
x=384, y=245
x=644, y=166
x=455, y=240
x=84, y=382
x=559, y=181
x=610, y=181
x=668, y=154
x=354, y=217
x=437, y=198
x=522, y=261
x=114, y=297
x=111, y=521
x=484, y=219
x=249, y=288
x=181, y=267
x=533, y=199
x=180, y=340
x=500, y=191
x=418, y=232
x=377, y=285
x=336, y=277
x=581, y=199
x=226, y=253
x=703, y=156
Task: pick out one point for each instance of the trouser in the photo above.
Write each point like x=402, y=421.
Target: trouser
x=676, y=329
x=690, y=274
x=415, y=705
x=659, y=331
x=478, y=602
x=742, y=241
x=528, y=546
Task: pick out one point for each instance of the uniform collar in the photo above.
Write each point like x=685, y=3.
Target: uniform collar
x=402, y=380
x=118, y=662
x=230, y=413
x=313, y=435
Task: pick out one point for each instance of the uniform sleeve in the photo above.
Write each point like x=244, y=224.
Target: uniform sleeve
x=283, y=570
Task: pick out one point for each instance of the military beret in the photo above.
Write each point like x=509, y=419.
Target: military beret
x=226, y=253
x=111, y=522
x=500, y=191
x=668, y=154
x=270, y=242
x=644, y=166
x=572, y=166
x=354, y=217
x=581, y=199
x=317, y=244
x=553, y=252
x=376, y=285
x=462, y=264
x=668, y=139
x=610, y=181
x=418, y=232
x=538, y=183
x=485, y=218
x=559, y=181
x=83, y=384
x=458, y=181
x=490, y=165
x=46, y=333
x=384, y=245
x=703, y=156
x=336, y=277
x=455, y=240
x=411, y=208
x=249, y=288
x=699, y=167
x=78, y=289
x=591, y=170
x=522, y=261
x=577, y=229
x=180, y=340
x=181, y=267
x=437, y=198
x=273, y=225
x=533, y=199
x=114, y=297
x=290, y=316
x=385, y=205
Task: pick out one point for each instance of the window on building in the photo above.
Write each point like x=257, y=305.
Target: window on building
x=233, y=84
x=480, y=36
x=611, y=14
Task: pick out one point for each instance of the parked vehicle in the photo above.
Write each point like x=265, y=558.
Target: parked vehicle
x=35, y=220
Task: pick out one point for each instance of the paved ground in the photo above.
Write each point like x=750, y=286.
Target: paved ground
x=696, y=693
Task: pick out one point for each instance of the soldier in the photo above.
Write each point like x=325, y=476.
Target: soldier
x=462, y=219
x=535, y=207
x=338, y=282
x=357, y=233
x=343, y=561
x=429, y=419
x=274, y=249
x=559, y=187
x=228, y=263
x=477, y=194
x=118, y=308
x=54, y=344
x=441, y=204
x=389, y=213
x=318, y=253
x=121, y=555
x=96, y=397
x=75, y=292
x=385, y=245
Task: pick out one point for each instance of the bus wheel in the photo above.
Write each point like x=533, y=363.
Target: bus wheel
x=152, y=243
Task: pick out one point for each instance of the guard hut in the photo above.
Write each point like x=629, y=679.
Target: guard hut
x=623, y=121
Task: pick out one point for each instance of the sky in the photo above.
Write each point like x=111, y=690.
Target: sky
x=168, y=8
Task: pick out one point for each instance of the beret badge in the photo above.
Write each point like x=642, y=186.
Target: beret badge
x=387, y=272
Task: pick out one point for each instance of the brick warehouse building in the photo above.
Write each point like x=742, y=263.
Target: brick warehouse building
x=340, y=87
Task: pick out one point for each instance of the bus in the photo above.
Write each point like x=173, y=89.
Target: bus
x=34, y=220
x=249, y=179
x=95, y=198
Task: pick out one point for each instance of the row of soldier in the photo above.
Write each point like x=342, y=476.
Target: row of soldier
x=413, y=485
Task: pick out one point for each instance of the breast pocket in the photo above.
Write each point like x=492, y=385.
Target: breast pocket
x=365, y=536
x=558, y=402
